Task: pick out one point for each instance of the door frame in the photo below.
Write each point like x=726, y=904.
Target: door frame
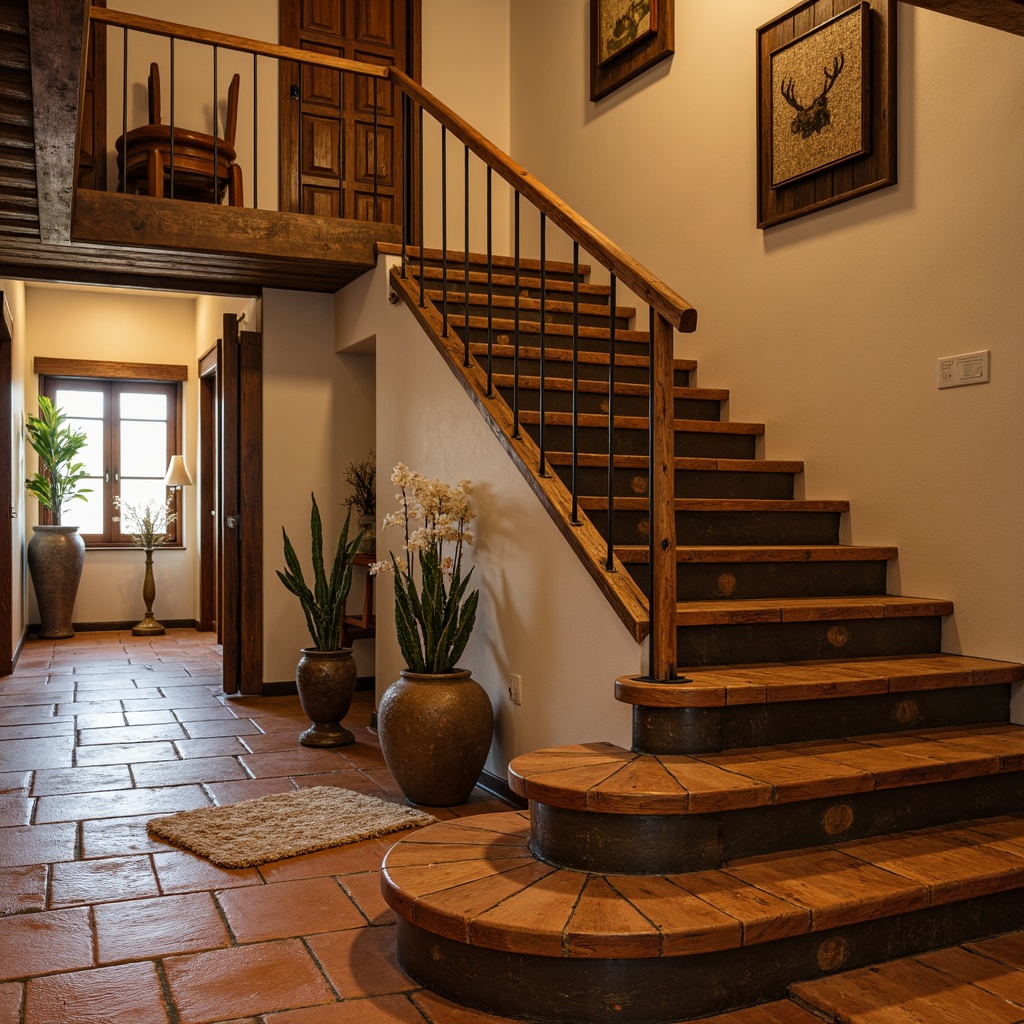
x=6, y=490
x=210, y=584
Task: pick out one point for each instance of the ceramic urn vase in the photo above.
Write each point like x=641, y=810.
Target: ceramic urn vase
x=435, y=731
x=326, y=681
x=56, y=555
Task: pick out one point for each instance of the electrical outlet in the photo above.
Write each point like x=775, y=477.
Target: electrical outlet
x=515, y=688
x=969, y=368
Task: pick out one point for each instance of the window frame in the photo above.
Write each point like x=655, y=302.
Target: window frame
x=116, y=378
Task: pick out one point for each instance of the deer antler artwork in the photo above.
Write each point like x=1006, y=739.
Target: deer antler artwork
x=815, y=117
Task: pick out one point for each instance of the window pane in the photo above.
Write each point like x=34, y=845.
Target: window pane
x=91, y=456
x=143, y=448
x=80, y=403
x=140, y=406
x=136, y=493
x=87, y=515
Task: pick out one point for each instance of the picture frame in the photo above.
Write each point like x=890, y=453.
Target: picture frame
x=626, y=38
x=826, y=107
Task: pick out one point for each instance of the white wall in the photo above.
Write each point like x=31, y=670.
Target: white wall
x=14, y=294
x=95, y=323
x=828, y=328
x=318, y=415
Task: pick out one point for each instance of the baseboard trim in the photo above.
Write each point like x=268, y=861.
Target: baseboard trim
x=282, y=688
x=116, y=627
x=499, y=787
x=18, y=647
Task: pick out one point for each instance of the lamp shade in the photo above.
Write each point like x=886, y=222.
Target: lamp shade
x=177, y=473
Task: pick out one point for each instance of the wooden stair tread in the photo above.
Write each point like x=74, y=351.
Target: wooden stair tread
x=982, y=980
x=806, y=609
x=507, y=380
x=562, y=355
x=550, y=329
x=606, y=779
x=768, y=684
x=476, y=882
x=640, y=423
x=508, y=302
x=681, y=462
x=476, y=259
x=784, y=1011
x=527, y=282
x=722, y=504
x=634, y=554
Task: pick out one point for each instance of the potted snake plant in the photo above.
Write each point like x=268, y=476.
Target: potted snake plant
x=326, y=673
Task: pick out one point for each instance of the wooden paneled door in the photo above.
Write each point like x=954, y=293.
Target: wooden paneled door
x=327, y=119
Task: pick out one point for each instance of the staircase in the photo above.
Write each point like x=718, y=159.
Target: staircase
x=823, y=789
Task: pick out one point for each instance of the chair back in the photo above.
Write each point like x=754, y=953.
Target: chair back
x=231, y=119
x=154, y=93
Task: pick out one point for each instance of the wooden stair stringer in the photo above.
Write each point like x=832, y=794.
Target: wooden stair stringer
x=621, y=590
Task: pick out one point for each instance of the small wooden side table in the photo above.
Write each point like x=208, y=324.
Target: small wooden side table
x=360, y=627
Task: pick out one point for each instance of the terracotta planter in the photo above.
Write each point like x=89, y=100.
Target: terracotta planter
x=435, y=732
x=326, y=681
x=56, y=555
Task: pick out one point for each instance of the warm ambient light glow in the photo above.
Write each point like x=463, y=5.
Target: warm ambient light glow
x=177, y=473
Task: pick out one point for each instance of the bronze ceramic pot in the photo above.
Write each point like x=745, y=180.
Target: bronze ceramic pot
x=56, y=555
x=326, y=681
x=435, y=732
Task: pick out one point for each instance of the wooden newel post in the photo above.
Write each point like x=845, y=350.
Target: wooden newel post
x=663, y=525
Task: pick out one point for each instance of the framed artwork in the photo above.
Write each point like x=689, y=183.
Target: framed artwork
x=626, y=38
x=826, y=107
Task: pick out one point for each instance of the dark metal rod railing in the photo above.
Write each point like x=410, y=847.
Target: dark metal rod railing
x=444, y=232
x=172, y=117
x=423, y=244
x=298, y=152
x=407, y=180
x=543, y=334
x=124, y=118
x=652, y=609
x=575, y=383
x=515, y=337
x=465, y=261
x=375, y=158
x=255, y=133
x=341, y=150
x=610, y=560
x=490, y=288
x=216, y=166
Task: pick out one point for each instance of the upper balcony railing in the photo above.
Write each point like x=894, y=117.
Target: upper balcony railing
x=667, y=311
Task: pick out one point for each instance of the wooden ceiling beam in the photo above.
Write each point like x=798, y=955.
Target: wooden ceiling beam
x=1007, y=15
x=57, y=33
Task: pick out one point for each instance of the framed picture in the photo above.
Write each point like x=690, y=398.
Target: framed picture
x=818, y=97
x=626, y=38
x=826, y=106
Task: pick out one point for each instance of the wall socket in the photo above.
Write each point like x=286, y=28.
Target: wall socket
x=969, y=368
x=515, y=688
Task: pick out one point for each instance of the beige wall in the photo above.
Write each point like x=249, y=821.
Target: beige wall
x=14, y=295
x=829, y=328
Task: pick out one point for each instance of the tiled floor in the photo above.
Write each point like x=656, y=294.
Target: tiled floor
x=99, y=923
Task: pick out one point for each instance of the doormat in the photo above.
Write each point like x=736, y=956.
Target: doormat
x=255, y=832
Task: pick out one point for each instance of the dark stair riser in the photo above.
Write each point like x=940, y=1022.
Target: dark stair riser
x=808, y=641
x=707, y=730
x=530, y=367
x=504, y=335
x=652, y=990
x=713, y=581
x=700, y=528
x=666, y=844
x=688, y=444
x=596, y=402
x=528, y=314
x=690, y=483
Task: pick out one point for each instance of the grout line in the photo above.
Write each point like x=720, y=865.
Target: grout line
x=165, y=990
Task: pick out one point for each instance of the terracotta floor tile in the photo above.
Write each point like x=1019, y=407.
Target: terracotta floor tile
x=209, y=730
x=272, y=742
x=148, y=717
x=235, y=792
x=127, y=994
x=51, y=727
x=38, y=844
x=163, y=926
x=49, y=752
x=439, y=1010
x=22, y=889
x=361, y=962
x=210, y=713
x=86, y=705
x=339, y=860
x=100, y=720
x=379, y=1010
x=102, y=880
x=260, y=978
x=217, y=746
x=59, y=781
x=132, y=734
x=193, y=770
x=116, y=837
x=11, y=996
x=365, y=891
x=280, y=910
x=120, y=803
x=294, y=762
x=180, y=871
x=13, y=782
x=15, y=809
x=125, y=753
x=54, y=940
x=352, y=779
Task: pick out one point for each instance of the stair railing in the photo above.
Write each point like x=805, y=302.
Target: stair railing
x=668, y=311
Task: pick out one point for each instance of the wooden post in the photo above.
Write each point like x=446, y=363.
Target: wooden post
x=663, y=526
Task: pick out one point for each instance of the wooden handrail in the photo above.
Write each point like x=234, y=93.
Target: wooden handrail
x=228, y=42
x=679, y=313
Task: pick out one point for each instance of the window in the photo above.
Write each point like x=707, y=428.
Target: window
x=134, y=427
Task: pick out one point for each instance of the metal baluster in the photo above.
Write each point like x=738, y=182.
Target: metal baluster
x=216, y=166
x=444, y=231
x=543, y=332
x=406, y=179
x=341, y=148
x=575, y=381
x=255, y=133
x=423, y=293
x=652, y=608
x=375, y=187
x=465, y=256
x=298, y=155
x=124, y=118
x=490, y=291
x=515, y=350
x=610, y=561
x=172, y=117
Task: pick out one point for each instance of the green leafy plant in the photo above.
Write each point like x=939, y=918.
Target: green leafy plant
x=57, y=445
x=361, y=476
x=147, y=523
x=435, y=617
x=322, y=605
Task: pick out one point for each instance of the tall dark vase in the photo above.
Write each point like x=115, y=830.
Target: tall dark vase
x=435, y=732
x=56, y=555
x=326, y=681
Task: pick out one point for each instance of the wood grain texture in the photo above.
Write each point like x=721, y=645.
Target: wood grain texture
x=1006, y=15
x=108, y=369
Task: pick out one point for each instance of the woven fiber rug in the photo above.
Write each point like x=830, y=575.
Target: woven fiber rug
x=254, y=832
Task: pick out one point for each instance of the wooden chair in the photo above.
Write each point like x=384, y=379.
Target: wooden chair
x=148, y=155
